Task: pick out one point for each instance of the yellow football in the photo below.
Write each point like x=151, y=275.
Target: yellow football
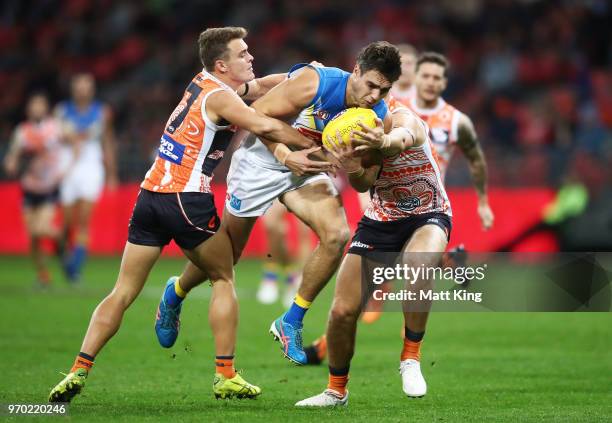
x=345, y=122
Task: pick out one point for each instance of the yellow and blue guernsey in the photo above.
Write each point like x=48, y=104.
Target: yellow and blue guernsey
x=327, y=103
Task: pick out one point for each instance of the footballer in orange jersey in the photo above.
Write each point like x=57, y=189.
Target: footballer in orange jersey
x=175, y=202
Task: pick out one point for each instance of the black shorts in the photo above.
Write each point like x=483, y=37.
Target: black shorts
x=189, y=218
x=35, y=199
x=391, y=236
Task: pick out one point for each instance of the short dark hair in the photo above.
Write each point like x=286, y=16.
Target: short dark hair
x=382, y=57
x=433, y=57
x=212, y=43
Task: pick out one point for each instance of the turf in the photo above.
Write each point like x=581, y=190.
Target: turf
x=479, y=366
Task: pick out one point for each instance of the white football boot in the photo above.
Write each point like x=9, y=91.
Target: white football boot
x=328, y=398
x=267, y=292
x=413, y=383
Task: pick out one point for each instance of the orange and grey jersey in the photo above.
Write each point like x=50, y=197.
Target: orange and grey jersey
x=39, y=142
x=192, y=145
x=409, y=183
x=443, y=121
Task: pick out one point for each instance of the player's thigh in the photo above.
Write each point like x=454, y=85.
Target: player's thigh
x=320, y=207
x=274, y=218
x=238, y=229
x=214, y=256
x=29, y=218
x=426, y=245
x=44, y=217
x=348, y=293
x=84, y=209
x=136, y=263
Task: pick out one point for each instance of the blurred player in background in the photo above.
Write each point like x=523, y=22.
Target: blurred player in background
x=279, y=262
x=410, y=217
x=36, y=142
x=176, y=202
x=449, y=127
x=87, y=130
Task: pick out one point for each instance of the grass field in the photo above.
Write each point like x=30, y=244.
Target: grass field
x=479, y=366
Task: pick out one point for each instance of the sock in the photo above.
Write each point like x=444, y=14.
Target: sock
x=77, y=260
x=316, y=352
x=174, y=294
x=224, y=364
x=338, y=379
x=271, y=272
x=297, y=311
x=412, y=345
x=83, y=361
x=293, y=273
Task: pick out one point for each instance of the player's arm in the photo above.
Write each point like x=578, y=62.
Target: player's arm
x=11, y=160
x=286, y=101
x=109, y=148
x=226, y=105
x=256, y=88
x=470, y=147
x=405, y=132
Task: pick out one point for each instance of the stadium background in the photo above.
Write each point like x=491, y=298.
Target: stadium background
x=533, y=75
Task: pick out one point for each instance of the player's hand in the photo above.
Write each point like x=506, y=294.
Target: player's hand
x=369, y=138
x=343, y=153
x=299, y=163
x=486, y=215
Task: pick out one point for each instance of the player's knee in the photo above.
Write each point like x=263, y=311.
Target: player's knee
x=343, y=312
x=336, y=237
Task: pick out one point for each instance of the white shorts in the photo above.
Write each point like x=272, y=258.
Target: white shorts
x=84, y=181
x=252, y=188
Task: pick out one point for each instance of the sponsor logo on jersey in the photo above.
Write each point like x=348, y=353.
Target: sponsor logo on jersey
x=359, y=244
x=322, y=114
x=171, y=150
x=408, y=204
x=439, y=135
x=234, y=201
x=216, y=155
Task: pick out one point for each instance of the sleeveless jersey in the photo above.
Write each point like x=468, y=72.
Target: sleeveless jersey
x=443, y=121
x=192, y=145
x=409, y=183
x=40, y=143
x=90, y=122
x=327, y=103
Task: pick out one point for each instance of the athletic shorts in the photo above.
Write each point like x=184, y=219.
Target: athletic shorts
x=189, y=218
x=252, y=188
x=84, y=181
x=391, y=236
x=35, y=199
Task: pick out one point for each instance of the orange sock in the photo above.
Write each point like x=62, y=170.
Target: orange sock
x=338, y=383
x=321, y=347
x=81, y=362
x=411, y=350
x=225, y=366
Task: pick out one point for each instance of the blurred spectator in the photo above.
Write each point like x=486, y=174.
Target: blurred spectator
x=519, y=67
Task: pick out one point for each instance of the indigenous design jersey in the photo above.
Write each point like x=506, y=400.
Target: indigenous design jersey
x=40, y=143
x=408, y=183
x=443, y=121
x=192, y=145
x=89, y=122
x=327, y=103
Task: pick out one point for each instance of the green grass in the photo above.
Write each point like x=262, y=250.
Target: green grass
x=479, y=366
